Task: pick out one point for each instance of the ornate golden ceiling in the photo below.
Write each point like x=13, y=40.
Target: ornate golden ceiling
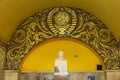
x=13, y=12
x=62, y=22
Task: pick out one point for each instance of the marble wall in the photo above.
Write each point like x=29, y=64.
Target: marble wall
x=11, y=75
x=99, y=75
x=81, y=75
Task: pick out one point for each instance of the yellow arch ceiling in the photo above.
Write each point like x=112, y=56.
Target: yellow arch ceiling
x=78, y=55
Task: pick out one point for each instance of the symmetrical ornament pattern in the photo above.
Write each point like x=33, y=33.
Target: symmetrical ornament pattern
x=62, y=22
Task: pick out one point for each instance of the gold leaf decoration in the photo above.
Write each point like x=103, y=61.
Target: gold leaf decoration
x=3, y=47
x=62, y=22
x=2, y=58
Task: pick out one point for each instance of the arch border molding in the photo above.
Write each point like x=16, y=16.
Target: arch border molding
x=62, y=22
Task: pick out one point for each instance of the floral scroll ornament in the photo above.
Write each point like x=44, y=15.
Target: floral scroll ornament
x=62, y=22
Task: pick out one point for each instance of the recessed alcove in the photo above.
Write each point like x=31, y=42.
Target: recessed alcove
x=79, y=56
x=38, y=64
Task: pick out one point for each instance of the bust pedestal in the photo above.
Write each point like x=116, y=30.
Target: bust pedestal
x=61, y=68
x=61, y=77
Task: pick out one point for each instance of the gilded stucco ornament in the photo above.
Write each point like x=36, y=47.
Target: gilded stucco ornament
x=2, y=58
x=3, y=48
x=62, y=22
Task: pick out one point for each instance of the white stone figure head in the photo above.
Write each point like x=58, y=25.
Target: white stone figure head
x=60, y=53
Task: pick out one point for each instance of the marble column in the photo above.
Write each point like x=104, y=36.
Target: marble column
x=113, y=75
x=11, y=75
